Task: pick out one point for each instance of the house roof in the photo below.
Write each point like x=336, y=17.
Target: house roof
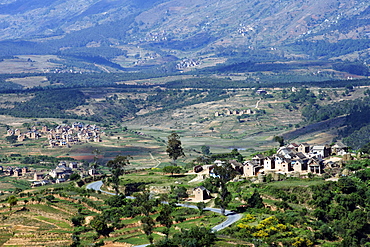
x=293, y=144
x=200, y=187
x=301, y=155
x=259, y=156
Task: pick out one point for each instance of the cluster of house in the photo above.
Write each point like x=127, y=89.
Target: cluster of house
x=243, y=30
x=156, y=36
x=229, y=112
x=187, y=63
x=61, y=173
x=302, y=159
x=62, y=135
x=14, y=171
x=293, y=158
x=31, y=134
x=66, y=135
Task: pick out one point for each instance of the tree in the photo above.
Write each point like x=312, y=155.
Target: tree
x=205, y=150
x=96, y=152
x=174, y=148
x=223, y=174
x=12, y=200
x=78, y=220
x=74, y=176
x=148, y=225
x=115, y=201
x=100, y=226
x=195, y=237
x=165, y=218
x=279, y=139
x=201, y=206
x=145, y=205
x=178, y=192
x=11, y=139
x=255, y=201
x=172, y=169
x=116, y=167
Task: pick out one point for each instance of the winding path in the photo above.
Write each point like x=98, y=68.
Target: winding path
x=232, y=217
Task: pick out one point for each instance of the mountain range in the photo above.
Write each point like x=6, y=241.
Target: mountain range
x=109, y=32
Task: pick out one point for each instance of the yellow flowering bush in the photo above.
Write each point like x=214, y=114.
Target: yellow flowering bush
x=302, y=242
x=281, y=227
x=260, y=234
x=270, y=221
x=245, y=226
x=249, y=218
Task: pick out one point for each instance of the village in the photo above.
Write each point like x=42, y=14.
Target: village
x=61, y=173
x=290, y=160
x=62, y=135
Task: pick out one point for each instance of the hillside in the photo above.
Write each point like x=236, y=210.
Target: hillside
x=117, y=35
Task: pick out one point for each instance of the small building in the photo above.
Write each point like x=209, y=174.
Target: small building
x=73, y=165
x=304, y=148
x=321, y=151
x=198, y=168
x=17, y=172
x=339, y=149
x=251, y=169
x=93, y=172
x=258, y=159
x=60, y=180
x=44, y=129
x=201, y=194
x=38, y=176
x=24, y=170
x=261, y=92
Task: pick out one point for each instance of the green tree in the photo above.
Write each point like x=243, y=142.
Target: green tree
x=78, y=220
x=255, y=201
x=145, y=204
x=11, y=139
x=279, y=139
x=174, y=148
x=205, y=150
x=223, y=174
x=148, y=225
x=172, y=169
x=116, y=167
x=178, y=192
x=74, y=176
x=115, y=201
x=12, y=200
x=195, y=237
x=165, y=218
x=100, y=226
x=201, y=206
x=96, y=152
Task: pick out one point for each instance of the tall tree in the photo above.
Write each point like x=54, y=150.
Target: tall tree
x=145, y=205
x=116, y=167
x=100, y=226
x=96, y=152
x=165, y=217
x=12, y=200
x=223, y=174
x=174, y=148
x=255, y=201
x=279, y=139
x=205, y=150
